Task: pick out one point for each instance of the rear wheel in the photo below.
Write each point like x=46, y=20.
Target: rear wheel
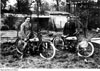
x=20, y=46
x=7, y=48
x=48, y=50
x=58, y=42
x=85, y=51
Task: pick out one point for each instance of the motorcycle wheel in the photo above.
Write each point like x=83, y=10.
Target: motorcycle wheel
x=87, y=51
x=58, y=43
x=48, y=50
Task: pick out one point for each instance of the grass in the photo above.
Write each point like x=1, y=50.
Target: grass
x=61, y=60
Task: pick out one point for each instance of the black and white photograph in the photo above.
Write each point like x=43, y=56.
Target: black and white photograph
x=50, y=34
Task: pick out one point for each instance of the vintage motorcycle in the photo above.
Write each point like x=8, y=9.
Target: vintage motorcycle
x=71, y=43
x=45, y=48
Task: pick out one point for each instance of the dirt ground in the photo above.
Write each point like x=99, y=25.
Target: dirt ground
x=62, y=59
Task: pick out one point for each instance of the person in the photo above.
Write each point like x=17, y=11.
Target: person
x=25, y=29
x=72, y=27
x=23, y=34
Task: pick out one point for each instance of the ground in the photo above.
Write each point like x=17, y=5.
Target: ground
x=62, y=59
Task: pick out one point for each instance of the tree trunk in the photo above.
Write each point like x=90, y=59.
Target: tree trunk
x=18, y=5
x=57, y=5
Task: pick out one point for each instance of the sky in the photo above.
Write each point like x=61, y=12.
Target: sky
x=53, y=1
x=50, y=1
x=12, y=2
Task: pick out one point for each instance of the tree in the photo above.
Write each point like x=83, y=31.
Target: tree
x=3, y=4
x=60, y=5
x=57, y=5
x=23, y=6
x=10, y=21
x=41, y=6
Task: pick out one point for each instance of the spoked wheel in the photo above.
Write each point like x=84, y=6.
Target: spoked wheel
x=59, y=43
x=20, y=46
x=7, y=48
x=85, y=51
x=48, y=50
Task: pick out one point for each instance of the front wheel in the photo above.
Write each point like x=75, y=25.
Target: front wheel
x=85, y=51
x=21, y=44
x=47, y=50
x=58, y=42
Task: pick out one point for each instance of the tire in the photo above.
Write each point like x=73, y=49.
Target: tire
x=58, y=43
x=47, y=47
x=20, y=46
x=4, y=48
x=7, y=48
x=86, y=52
